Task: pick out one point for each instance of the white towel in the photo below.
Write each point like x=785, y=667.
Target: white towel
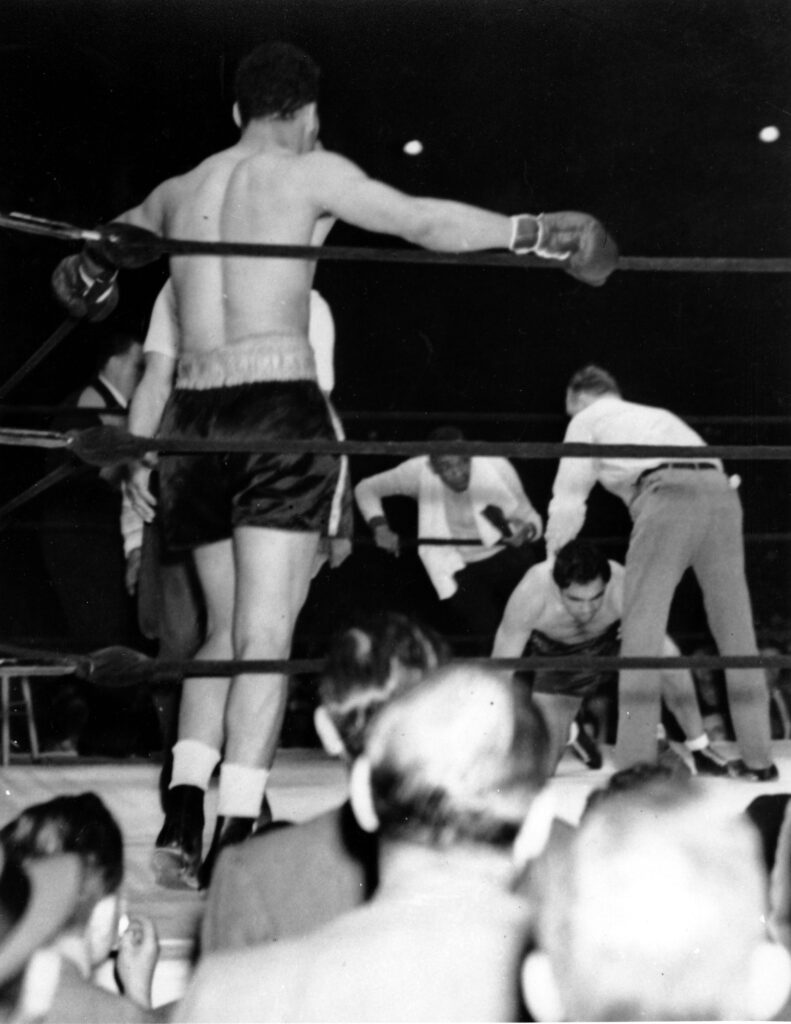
x=486, y=487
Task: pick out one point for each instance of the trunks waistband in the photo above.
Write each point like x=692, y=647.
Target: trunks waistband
x=265, y=357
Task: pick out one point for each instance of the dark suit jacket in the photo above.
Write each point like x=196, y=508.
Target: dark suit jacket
x=289, y=880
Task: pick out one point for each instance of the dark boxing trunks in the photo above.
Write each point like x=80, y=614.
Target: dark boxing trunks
x=204, y=497
x=579, y=682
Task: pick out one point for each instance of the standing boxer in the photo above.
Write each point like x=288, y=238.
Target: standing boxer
x=246, y=371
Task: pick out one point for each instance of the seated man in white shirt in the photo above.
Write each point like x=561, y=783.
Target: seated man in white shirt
x=686, y=515
x=573, y=606
x=478, y=502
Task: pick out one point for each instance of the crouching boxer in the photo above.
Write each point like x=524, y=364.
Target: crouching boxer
x=573, y=606
x=245, y=371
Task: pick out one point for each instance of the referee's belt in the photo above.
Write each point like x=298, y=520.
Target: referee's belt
x=673, y=465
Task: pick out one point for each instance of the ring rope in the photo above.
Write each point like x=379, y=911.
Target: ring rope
x=78, y=412
x=51, y=479
x=106, y=446
x=98, y=445
x=62, y=331
x=149, y=244
x=365, y=539
x=124, y=666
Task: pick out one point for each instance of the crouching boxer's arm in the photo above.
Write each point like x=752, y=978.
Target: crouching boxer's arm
x=519, y=619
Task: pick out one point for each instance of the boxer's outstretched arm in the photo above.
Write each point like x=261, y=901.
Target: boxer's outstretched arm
x=341, y=188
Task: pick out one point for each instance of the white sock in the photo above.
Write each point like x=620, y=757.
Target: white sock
x=699, y=743
x=193, y=764
x=241, y=790
x=574, y=731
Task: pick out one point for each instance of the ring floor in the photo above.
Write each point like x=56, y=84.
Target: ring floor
x=303, y=783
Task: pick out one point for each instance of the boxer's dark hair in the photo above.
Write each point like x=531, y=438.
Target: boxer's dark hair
x=594, y=380
x=580, y=561
x=275, y=80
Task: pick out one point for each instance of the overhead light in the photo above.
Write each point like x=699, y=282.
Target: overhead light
x=771, y=133
x=413, y=148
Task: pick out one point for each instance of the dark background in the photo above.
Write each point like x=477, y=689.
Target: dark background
x=645, y=114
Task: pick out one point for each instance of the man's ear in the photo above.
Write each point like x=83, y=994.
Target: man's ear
x=534, y=833
x=237, y=117
x=314, y=125
x=361, y=796
x=539, y=988
x=328, y=733
x=769, y=985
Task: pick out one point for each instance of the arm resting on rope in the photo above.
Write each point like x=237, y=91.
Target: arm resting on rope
x=86, y=283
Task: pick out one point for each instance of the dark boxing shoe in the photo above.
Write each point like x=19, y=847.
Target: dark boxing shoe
x=739, y=770
x=709, y=762
x=177, y=852
x=227, y=832
x=584, y=747
x=230, y=831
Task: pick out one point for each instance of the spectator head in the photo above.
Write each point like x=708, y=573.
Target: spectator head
x=458, y=760
x=588, y=384
x=121, y=361
x=581, y=573
x=369, y=662
x=80, y=825
x=36, y=901
x=655, y=911
x=453, y=470
x=628, y=780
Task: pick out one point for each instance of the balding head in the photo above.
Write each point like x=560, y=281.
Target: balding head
x=458, y=759
x=656, y=910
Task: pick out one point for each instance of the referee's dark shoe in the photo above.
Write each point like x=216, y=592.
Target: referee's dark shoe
x=739, y=770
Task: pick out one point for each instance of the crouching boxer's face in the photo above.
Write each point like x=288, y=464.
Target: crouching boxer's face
x=583, y=600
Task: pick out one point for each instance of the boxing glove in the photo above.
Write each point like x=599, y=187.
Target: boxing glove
x=86, y=286
x=577, y=239
x=86, y=283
